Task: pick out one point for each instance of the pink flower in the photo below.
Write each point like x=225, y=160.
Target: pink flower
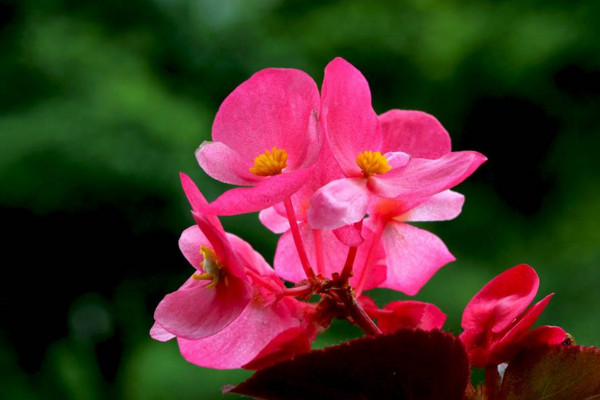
x=375, y=152
x=496, y=325
x=214, y=296
x=412, y=255
x=265, y=135
x=232, y=312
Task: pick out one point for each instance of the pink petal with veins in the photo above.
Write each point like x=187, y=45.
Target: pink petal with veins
x=275, y=107
x=414, y=132
x=439, y=207
x=195, y=312
x=255, y=328
x=349, y=121
x=413, y=256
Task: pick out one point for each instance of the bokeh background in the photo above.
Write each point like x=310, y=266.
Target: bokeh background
x=102, y=103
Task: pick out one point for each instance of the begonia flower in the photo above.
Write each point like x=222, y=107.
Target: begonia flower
x=214, y=296
x=496, y=324
x=413, y=255
x=373, y=163
x=265, y=136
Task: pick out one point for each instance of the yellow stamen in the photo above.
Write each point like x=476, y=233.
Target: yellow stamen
x=372, y=162
x=212, y=268
x=271, y=162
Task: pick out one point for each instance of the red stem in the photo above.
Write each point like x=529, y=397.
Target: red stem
x=289, y=209
x=298, y=291
x=347, y=270
x=319, y=250
x=492, y=380
x=380, y=225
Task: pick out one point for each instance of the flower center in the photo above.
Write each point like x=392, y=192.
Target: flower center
x=271, y=162
x=372, y=162
x=212, y=268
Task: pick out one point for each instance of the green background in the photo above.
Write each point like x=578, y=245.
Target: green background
x=103, y=103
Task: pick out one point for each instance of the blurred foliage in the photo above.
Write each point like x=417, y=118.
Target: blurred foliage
x=102, y=103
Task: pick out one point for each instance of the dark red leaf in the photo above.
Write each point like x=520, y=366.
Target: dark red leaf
x=553, y=373
x=408, y=364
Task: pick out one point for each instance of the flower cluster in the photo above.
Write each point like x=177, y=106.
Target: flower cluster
x=340, y=184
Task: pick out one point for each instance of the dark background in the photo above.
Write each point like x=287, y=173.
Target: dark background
x=103, y=103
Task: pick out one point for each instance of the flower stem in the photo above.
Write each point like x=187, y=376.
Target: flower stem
x=298, y=291
x=289, y=209
x=347, y=270
x=380, y=225
x=319, y=250
x=492, y=381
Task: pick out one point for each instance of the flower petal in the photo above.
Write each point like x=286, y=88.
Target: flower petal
x=412, y=256
x=423, y=177
x=349, y=235
x=157, y=332
x=439, y=207
x=189, y=243
x=263, y=195
x=348, y=118
x=242, y=340
x=196, y=198
x=224, y=164
x=502, y=300
x=273, y=108
x=287, y=344
x=340, y=202
x=274, y=221
x=410, y=315
x=194, y=312
x=414, y=132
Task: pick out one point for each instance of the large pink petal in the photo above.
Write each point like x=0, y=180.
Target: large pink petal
x=412, y=256
x=265, y=194
x=224, y=164
x=502, y=300
x=410, y=315
x=273, y=220
x=243, y=339
x=439, y=207
x=349, y=121
x=423, y=177
x=275, y=107
x=414, y=132
x=340, y=202
x=195, y=312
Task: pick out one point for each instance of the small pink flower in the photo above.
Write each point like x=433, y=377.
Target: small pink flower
x=400, y=153
x=265, y=135
x=496, y=325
